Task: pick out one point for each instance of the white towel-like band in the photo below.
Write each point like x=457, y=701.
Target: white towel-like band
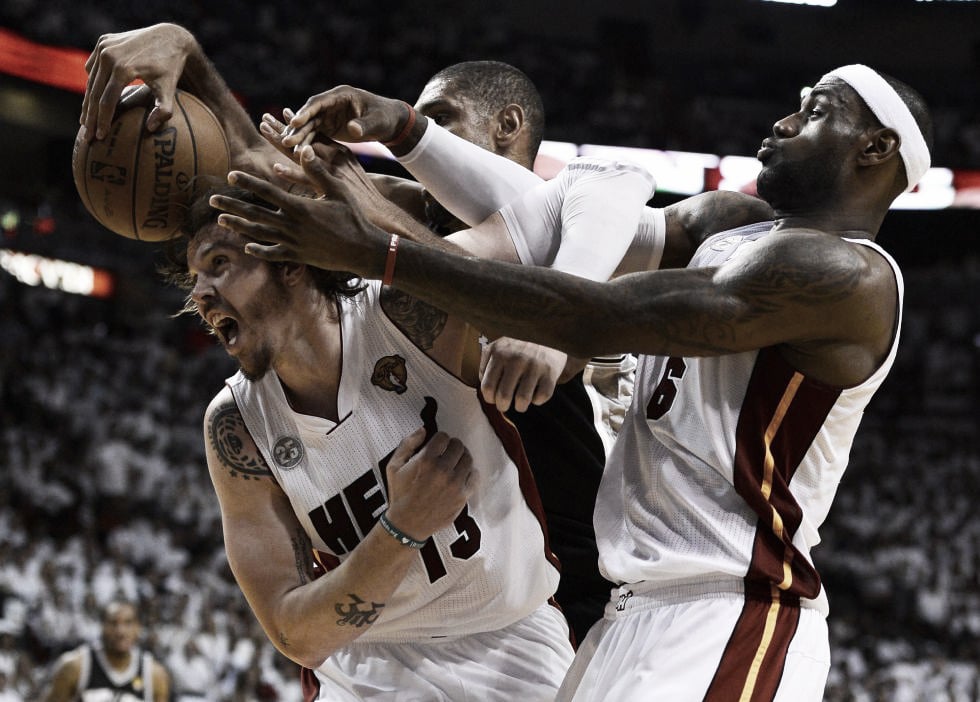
x=892, y=112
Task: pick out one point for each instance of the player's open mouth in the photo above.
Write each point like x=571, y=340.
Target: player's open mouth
x=226, y=329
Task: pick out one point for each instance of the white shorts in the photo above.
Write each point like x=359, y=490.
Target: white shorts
x=714, y=649
x=525, y=661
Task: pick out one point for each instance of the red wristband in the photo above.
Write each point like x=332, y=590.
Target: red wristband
x=403, y=134
x=390, y=260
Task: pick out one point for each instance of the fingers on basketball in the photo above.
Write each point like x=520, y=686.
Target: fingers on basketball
x=139, y=184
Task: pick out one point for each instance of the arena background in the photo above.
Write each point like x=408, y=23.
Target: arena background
x=104, y=488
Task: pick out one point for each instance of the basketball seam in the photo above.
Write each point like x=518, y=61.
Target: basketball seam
x=190, y=132
x=136, y=170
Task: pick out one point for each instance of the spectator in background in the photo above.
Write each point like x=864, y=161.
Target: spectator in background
x=115, y=666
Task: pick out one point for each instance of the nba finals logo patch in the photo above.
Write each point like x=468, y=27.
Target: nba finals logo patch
x=288, y=451
x=390, y=374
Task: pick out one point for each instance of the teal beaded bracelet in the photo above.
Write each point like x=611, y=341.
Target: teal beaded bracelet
x=399, y=535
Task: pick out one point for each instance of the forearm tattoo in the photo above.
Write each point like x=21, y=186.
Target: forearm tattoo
x=229, y=437
x=303, y=552
x=420, y=321
x=357, y=612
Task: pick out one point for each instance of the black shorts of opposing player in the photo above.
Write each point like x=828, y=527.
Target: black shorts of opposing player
x=567, y=458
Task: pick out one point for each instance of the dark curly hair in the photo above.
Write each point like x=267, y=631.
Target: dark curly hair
x=174, y=269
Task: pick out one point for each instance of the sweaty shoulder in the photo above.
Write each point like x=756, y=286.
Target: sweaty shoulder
x=819, y=267
x=837, y=300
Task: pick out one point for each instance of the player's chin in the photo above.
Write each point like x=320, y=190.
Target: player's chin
x=254, y=366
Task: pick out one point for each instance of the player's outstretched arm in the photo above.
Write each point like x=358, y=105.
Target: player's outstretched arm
x=805, y=290
x=167, y=56
x=271, y=555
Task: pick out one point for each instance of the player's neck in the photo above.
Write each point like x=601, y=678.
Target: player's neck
x=854, y=225
x=857, y=213
x=118, y=660
x=309, y=368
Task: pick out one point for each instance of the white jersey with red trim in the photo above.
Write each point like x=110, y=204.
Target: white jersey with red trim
x=488, y=570
x=726, y=466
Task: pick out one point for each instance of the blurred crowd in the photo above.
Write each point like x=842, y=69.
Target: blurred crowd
x=616, y=79
x=901, y=551
x=106, y=495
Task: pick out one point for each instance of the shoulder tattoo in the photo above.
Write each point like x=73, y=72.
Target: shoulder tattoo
x=420, y=321
x=229, y=437
x=804, y=284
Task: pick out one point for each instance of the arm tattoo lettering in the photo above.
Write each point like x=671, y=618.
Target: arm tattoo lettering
x=355, y=615
x=420, y=321
x=229, y=437
x=303, y=552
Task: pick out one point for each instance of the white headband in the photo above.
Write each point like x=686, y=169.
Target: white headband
x=892, y=112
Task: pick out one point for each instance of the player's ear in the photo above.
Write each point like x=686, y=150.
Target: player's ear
x=291, y=272
x=881, y=145
x=508, y=125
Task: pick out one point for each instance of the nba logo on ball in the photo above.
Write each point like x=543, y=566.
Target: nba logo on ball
x=107, y=173
x=138, y=184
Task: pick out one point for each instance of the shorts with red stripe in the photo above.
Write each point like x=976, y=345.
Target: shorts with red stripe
x=701, y=641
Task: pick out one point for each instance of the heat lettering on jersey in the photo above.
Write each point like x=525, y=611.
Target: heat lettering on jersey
x=354, y=510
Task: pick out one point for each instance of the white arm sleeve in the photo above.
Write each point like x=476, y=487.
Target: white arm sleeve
x=647, y=248
x=584, y=221
x=469, y=181
x=473, y=183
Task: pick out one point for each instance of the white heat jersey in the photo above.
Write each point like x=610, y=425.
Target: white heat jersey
x=726, y=466
x=486, y=571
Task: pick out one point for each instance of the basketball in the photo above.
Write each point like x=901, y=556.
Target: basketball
x=138, y=184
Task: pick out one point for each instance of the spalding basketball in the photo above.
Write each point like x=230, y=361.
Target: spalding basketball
x=139, y=184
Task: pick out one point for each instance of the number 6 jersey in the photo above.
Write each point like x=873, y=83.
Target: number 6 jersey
x=491, y=567
x=726, y=466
